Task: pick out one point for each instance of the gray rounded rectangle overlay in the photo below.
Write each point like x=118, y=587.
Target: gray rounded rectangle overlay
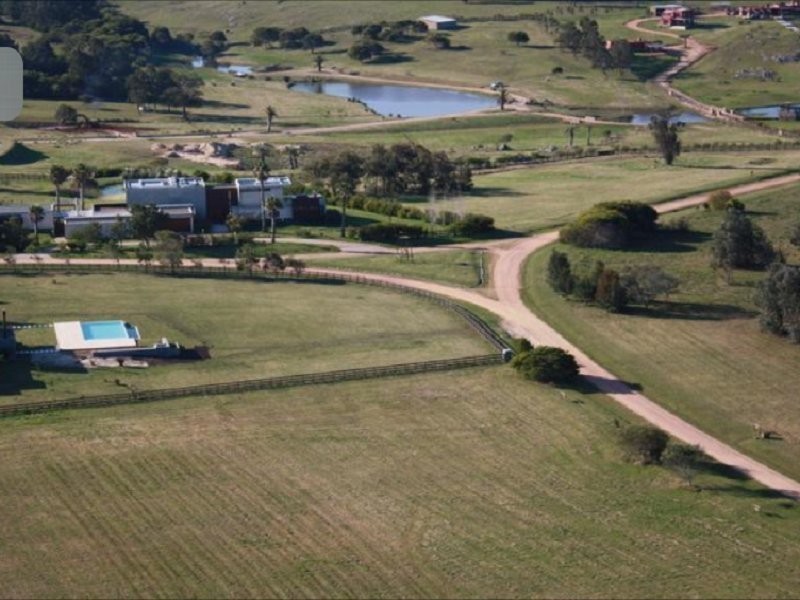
x=10, y=84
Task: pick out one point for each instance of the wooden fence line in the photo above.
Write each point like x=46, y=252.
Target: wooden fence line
x=233, y=387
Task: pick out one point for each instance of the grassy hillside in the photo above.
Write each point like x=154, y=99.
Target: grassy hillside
x=466, y=484
x=701, y=354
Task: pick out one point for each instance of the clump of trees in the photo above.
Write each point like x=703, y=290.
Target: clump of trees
x=585, y=38
x=609, y=288
x=611, y=225
x=648, y=445
x=778, y=298
x=365, y=51
x=157, y=85
x=390, y=31
x=288, y=39
x=546, y=364
x=440, y=41
x=518, y=37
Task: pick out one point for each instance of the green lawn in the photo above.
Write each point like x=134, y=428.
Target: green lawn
x=543, y=197
x=457, y=267
x=464, y=484
x=253, y=329
x=702, y=354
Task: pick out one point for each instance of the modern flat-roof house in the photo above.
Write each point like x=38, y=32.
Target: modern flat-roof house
x=23, y=212
x=433, y=22
x=248, y=191
x=658, y=9
x=181, y=218
x=168, y=191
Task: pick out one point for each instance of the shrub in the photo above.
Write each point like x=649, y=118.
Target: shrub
x=609, y=293
x=683, y=459
x=739, y=243
x=723, y=200
x=546, y=364
x=390, y=232
x=778, y=298
x=612, y=225
x=472, y=224
x=643, y=444
x=559, y=273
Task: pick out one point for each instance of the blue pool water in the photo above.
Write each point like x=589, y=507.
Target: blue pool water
x=108, y=330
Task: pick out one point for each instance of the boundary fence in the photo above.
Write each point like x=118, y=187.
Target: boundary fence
x=477, y=324
x=234, y=387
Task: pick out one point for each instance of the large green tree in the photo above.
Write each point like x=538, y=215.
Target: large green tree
x=146, y=220
x=665, y=134
x=740, y=243
x=778, y=299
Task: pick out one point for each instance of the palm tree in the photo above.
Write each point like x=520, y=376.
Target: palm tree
x=58, y=175
x=82, y=175
x=273, y=205
x=234, y=223
x=36, y=215
x=271, y=114
x=261, y=172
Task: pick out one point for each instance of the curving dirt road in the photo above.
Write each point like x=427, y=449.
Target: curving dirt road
x=509, y=260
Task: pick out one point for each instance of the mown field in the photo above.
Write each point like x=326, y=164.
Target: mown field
x=253, y=329
x=464, y=484
x=456, y=267
x=701, y=354
x=543, y=197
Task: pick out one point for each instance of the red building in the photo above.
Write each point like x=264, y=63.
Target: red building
x=678, y=18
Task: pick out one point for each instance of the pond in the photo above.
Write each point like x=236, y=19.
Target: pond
x=684, y=117
x=108, y=191
x=771, y=111
x=237, y=70
x=401, y=100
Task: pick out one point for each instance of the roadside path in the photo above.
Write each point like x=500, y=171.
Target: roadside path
x=510, y=257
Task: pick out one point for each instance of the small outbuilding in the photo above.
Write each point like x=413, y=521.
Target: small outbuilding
x=435, y=22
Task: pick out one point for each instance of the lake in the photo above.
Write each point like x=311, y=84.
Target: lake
x=764, y=112
x=401, y=100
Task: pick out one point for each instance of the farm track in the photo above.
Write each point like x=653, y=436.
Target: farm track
x=506, y=283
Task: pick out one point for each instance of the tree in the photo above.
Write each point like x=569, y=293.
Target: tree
x=273, y=206
x=58, y=176
x=66, y=115
x=643, y=444
x=684, y=459
x=246, y=258
x=185, y=93
x=559, y=273
x=312, y=41
x=270, y=113
x=296, y=265
x=265, y=35
x=502, y=98
x=146, y=219
x=609, y=293
x=144, y=255
x=36, y=214
x=665, y=135
x=546, y=364
x=518, y=37
x=82, y=175
x=169, y=249
x=778, y=299
x=740, y=243
x=274, y=262
x=347, y=168
x=440, y=41
x=318, y=60
x=161, y=37
x=234, y=223
x=621, y=54
x=361, y=52
x=261, y=172
x=643, y=283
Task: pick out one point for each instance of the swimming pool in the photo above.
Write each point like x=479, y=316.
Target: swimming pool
x=107, y=330
x=92, y=335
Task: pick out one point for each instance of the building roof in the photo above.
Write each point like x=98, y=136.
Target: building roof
x=164, y=182
x=437, y=19
x=252, y=182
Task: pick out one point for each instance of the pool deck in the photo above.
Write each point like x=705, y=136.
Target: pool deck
x=69, y=336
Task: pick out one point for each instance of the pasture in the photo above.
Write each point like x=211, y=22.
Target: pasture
x=530, y=199
x=701, y=354
x=253, y=329
x=463, y=484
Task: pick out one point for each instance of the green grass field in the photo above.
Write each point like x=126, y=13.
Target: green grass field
x=464, y=484
x=253, y=329
x=543, y=197
x=456, y=267
x=749, y=46
x=702, y=354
